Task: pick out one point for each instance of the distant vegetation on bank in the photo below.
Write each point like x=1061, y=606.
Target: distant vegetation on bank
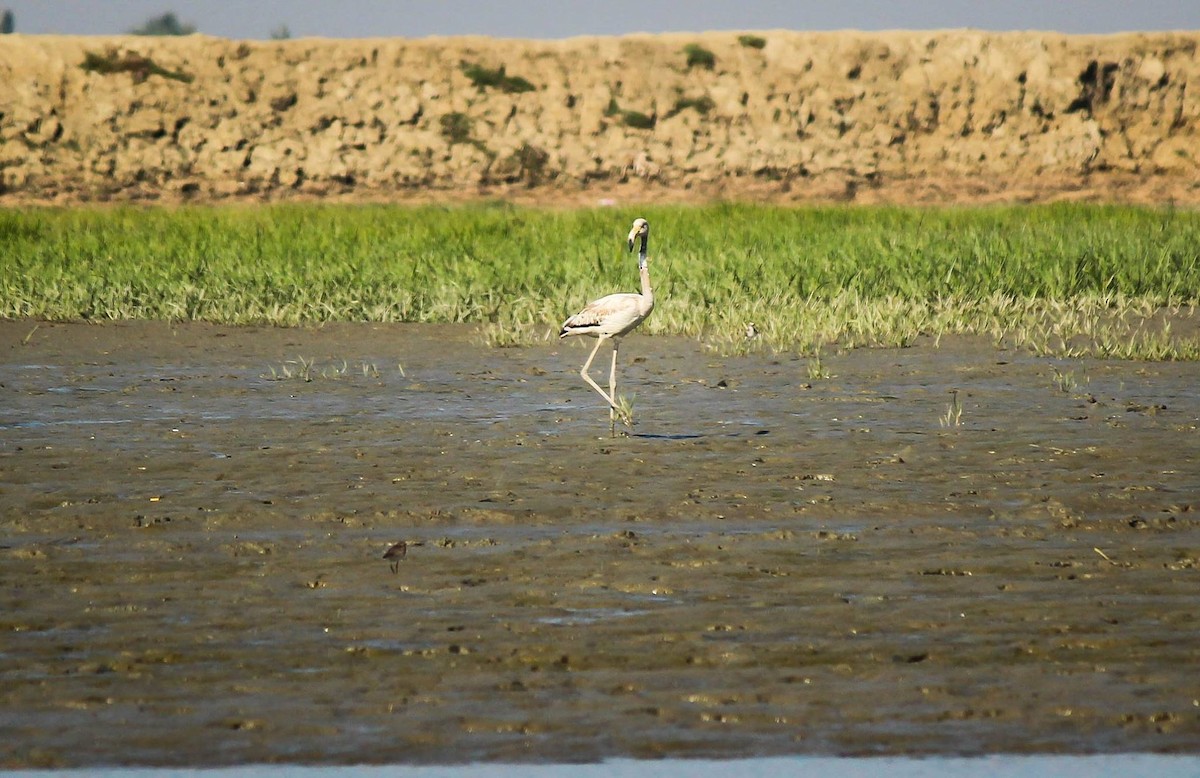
x=1058, y=279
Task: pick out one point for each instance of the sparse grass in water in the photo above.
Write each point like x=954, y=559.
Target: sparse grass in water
x=953, y=415
x=1065, y=381
x=816, y=368
x=306, y=370
x=1063, y=280
x=625, y=409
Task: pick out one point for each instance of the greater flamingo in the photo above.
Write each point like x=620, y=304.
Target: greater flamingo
x=613, y=317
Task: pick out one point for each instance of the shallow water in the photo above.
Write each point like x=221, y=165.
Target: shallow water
x=190, y=567
x=998, y=766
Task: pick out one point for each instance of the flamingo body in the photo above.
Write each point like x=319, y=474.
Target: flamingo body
x=611, y=316
x=614, y=316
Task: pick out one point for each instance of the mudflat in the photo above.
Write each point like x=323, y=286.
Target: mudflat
x=945, y=549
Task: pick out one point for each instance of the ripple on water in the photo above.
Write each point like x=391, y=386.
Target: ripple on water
x=572, y=617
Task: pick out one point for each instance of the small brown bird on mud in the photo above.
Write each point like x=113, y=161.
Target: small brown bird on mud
x=395, y=553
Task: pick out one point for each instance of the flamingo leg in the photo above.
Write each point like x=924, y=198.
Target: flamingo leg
x=584, y=373
x=612, y=387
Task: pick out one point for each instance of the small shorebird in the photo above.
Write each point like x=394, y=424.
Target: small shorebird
x=612, y=318
x=395, y=553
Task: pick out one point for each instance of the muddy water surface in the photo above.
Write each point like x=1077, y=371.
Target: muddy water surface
x=191, y=537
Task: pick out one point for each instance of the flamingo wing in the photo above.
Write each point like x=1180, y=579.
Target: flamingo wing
x=612, y=315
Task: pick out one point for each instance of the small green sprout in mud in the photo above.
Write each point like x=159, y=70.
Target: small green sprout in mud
x=816, y=368
x=306, y=370
x=624, y=411
x=509, y=335
x=1065, y=381
x=368, y=369
x=300, y=368
x=953, y=415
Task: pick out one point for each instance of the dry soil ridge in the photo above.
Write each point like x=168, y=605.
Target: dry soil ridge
x=943, y=116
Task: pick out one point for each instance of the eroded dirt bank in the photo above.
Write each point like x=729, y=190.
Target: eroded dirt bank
x=191, y=533
x=936, y=117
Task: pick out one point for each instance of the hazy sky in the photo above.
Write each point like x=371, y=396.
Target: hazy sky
x=532, y=19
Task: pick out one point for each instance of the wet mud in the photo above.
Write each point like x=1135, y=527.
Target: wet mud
x=777, y=560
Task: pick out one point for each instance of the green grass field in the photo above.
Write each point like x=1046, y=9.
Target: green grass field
x=1060, y=279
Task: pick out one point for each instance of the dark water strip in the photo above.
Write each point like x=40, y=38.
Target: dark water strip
x=996, y=766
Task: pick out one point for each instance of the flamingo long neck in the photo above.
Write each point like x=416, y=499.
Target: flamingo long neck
x=644, y=270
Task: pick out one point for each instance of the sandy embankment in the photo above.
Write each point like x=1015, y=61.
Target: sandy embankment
x=953, y=116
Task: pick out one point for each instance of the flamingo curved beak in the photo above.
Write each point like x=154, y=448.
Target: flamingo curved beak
x=640, y=228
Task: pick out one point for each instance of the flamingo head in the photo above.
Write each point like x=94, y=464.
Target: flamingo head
x=641, y=229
